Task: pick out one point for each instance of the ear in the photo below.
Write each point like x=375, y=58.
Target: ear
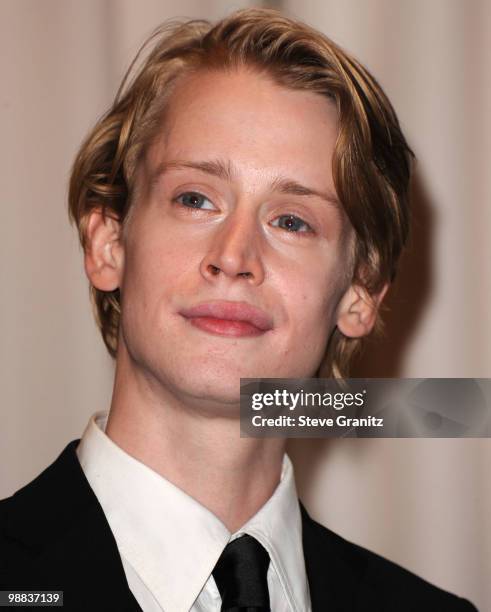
x=357, y=311
x=104, y=255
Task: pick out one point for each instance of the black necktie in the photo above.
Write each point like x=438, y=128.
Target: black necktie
x=241, y=576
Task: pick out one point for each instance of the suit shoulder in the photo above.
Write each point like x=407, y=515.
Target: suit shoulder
x=10, y=548
x=381, y=580
x=38, y=509
x=7, y=511
x=5, y=505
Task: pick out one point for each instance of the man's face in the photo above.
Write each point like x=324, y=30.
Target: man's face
x=225, y=212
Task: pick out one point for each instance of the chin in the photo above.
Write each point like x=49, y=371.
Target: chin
x=216, y=382
x=216, y=385
x=212, y=397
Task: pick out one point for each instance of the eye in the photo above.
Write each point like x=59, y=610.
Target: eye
x=193, y=199
x=291, y=223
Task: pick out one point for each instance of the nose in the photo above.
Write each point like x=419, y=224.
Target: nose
x=234, y=250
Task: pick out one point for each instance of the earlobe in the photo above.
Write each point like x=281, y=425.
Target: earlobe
x=104, y=256
x=357, y=311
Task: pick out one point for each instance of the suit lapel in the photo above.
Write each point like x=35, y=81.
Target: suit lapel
x=65, y=540
x=334, y=570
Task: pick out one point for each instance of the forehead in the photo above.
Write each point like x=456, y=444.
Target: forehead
x=244, y=117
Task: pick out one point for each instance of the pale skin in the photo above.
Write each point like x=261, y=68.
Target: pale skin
x=176, y=389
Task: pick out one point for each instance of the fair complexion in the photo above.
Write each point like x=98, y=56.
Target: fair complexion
x=235, y=202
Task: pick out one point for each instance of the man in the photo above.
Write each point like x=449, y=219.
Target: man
x=242, y=207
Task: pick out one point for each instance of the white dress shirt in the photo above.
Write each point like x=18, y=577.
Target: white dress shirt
x=169, y=543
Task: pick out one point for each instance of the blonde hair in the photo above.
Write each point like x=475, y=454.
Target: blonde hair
x=371, y=162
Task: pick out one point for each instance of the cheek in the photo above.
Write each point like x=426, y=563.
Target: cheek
x=311, y=301
x=313, y=289
x=312, y=311
x=152, y=268
x=157, y=261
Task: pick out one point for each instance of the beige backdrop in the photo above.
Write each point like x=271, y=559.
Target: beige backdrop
x=423, y=503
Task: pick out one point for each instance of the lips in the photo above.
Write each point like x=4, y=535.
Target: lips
x=239, y=312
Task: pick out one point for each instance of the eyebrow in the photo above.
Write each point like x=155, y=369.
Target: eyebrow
x=227, y=172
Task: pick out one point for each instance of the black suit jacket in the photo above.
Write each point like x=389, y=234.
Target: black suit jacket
x=54, y=535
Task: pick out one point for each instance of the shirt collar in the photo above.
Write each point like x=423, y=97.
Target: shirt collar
x=164, y=532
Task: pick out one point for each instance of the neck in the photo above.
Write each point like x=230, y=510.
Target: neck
x=202, y=454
